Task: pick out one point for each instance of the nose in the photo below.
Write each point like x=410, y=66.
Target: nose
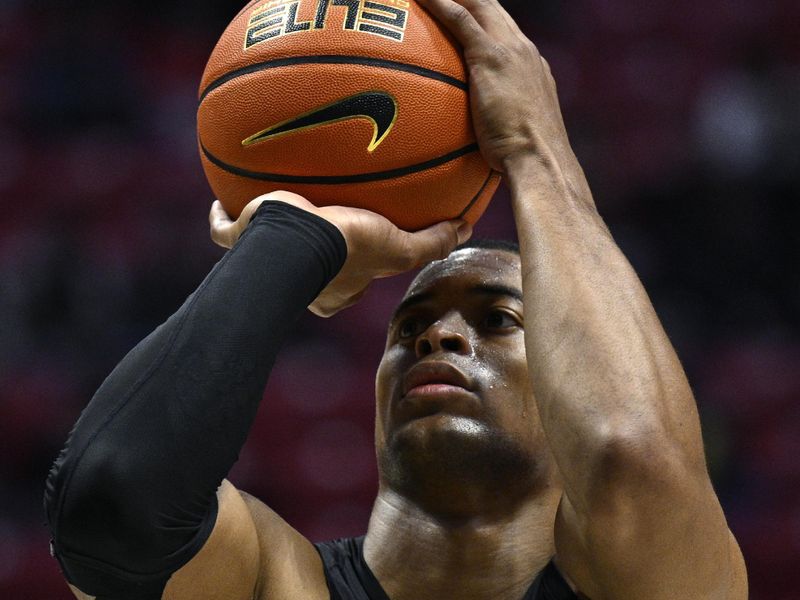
x=448, y=334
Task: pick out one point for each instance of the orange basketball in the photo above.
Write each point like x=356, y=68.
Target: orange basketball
x=353, y=102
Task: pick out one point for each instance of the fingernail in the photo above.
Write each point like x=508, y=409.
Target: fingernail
x=464, y=231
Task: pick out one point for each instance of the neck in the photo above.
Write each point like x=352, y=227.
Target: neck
x=422, y=556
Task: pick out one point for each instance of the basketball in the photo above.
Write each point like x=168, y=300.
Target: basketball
x=352, y=102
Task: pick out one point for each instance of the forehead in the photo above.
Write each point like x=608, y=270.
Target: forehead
x=470, y=267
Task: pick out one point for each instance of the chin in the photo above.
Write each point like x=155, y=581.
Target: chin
x=443, y=453
x=443, y=437
x=448, y=425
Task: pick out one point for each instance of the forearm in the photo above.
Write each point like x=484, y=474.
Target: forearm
x=607, y=381
x=132, y=496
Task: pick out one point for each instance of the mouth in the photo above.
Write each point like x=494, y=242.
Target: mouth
x=437, y=379
x=441, y=390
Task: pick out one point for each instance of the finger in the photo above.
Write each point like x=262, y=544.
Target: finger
x=320, y=311
x=458, y=20
x=281, y=196
x=248, y=211
x=491, y=16
x=507, y=18
x=220, y=225
x=217, y=214
x=327, y=308
x=433, y=243
x=354, y=298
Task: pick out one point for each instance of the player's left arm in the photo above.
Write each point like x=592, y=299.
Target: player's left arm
x=639, y=518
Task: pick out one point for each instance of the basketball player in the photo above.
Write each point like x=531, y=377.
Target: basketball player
x=552, y=456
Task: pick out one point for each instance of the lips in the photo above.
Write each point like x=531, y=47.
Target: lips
x=433, y=374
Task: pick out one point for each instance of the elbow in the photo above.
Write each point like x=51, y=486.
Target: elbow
x=98, y=544
x=100, y=535
x=109, y=513
x=637, y=467
x=88, y=501
x=645, y=491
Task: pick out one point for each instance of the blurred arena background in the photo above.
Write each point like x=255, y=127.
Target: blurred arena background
x=685, y=115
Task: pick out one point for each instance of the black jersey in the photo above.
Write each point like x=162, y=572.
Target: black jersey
x=350, y=578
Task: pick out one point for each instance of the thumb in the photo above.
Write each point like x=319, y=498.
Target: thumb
x=221, y=226
x=437, y=241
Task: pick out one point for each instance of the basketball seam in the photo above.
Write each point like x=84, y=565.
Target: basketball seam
x=341, y=179
x=478, y=195
x=330, y=60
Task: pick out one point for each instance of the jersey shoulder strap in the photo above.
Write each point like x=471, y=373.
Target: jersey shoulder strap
x=349, y=577
x=346, y=571
x=550, y=585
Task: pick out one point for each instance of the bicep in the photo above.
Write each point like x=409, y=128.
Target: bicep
x=666, y=543
x=227, y=566
x=252, y=553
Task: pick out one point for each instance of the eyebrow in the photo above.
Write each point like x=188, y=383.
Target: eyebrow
x=483, y=289
x=497, y=290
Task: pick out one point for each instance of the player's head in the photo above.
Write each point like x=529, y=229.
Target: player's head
x=455, y=409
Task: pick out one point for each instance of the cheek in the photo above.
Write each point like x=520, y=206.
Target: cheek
x=506, y=358
x=386, y=368
x=381, y=402
x=507, y=377
x=381, y=379
x=386, y=378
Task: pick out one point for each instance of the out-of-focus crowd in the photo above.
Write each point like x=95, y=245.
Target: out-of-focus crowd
x=684, y=114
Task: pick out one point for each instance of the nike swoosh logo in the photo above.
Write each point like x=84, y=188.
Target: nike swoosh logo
x=380, y=108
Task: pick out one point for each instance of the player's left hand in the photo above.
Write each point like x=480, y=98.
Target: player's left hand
x=375, y=246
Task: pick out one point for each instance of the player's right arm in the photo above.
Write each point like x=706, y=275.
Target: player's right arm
x=132, y=501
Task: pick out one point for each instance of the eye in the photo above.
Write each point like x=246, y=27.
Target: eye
x=410, y=327
x=500, y=319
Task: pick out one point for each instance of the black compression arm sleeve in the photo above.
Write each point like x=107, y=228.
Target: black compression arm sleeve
x=132, y=497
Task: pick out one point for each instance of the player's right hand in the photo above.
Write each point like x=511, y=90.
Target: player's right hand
x=375, y=247
x=513, y=98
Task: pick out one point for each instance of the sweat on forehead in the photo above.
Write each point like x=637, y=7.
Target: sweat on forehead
x=497, y=254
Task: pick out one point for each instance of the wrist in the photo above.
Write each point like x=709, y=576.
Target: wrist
x=529, y=170
x=548, y=176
